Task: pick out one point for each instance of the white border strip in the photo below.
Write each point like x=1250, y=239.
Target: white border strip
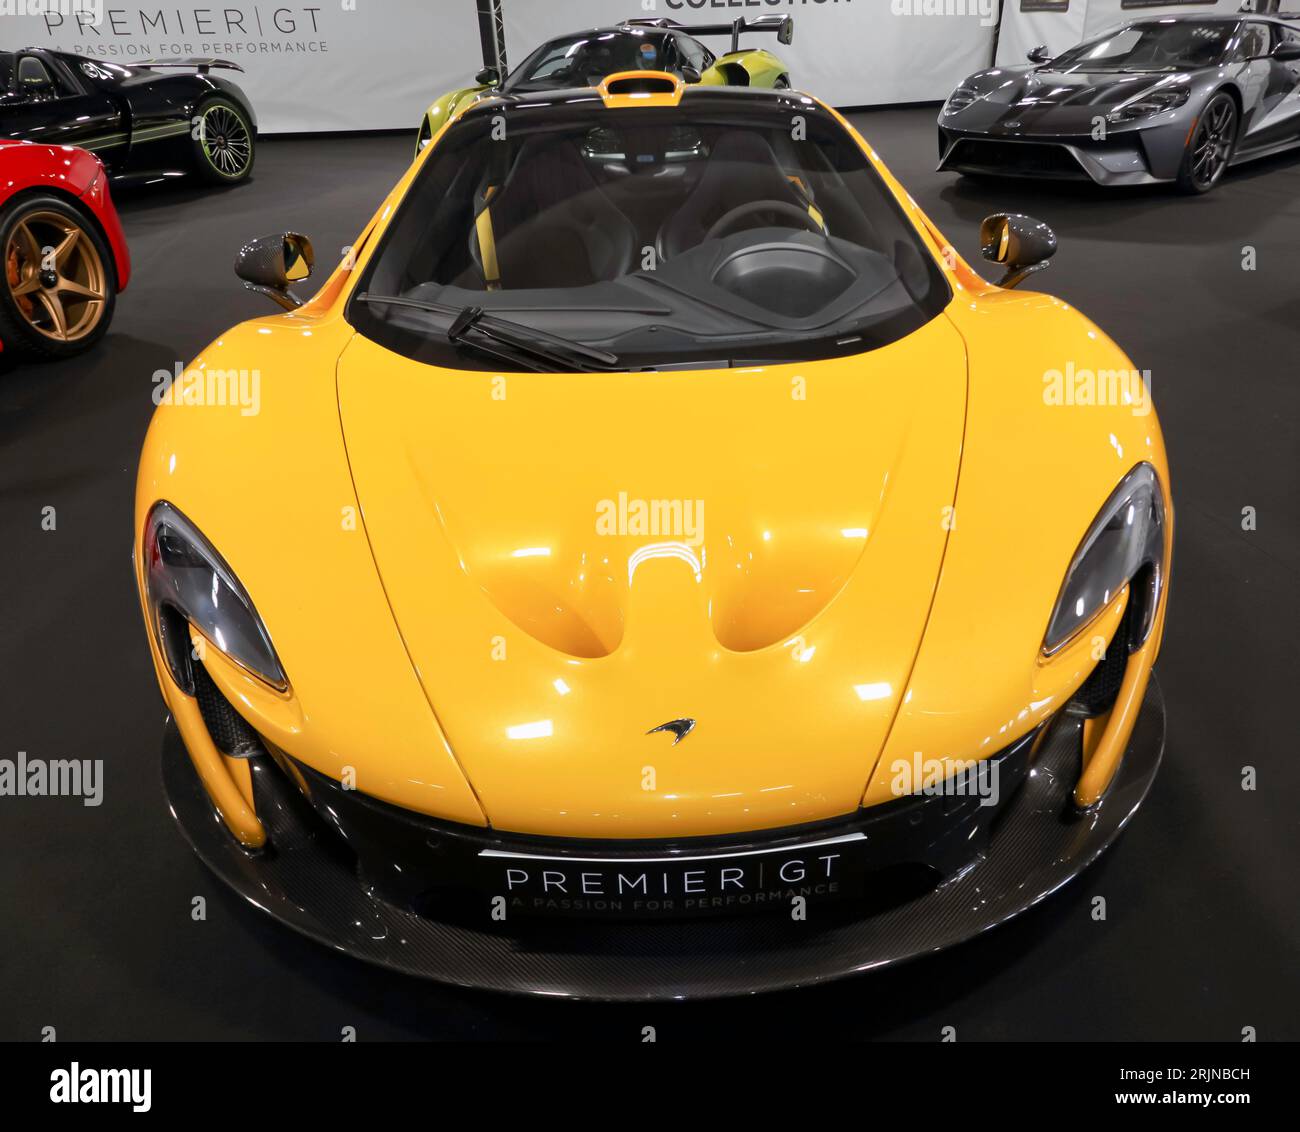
x=619, y=861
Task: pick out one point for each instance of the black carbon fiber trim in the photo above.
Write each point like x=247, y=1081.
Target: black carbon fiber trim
x=1045, y=159
x=308, y=882
x=229, y=730
x=1100, y=690
x=435, y=867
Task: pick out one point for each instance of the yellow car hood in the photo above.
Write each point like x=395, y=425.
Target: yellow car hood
x=573, y=560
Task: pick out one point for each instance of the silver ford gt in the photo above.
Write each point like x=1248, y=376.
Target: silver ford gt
x=1175, y=99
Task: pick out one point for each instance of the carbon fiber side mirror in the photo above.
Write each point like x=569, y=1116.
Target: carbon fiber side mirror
x=1020, y=243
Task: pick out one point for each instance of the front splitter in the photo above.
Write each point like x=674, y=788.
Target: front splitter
x=1039, y=844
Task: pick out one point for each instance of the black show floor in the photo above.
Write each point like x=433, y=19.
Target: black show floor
x=1201, y=933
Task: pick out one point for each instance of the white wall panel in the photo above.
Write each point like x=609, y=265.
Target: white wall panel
x=1027, y=23
x=1023, y=28
x=1104, y=14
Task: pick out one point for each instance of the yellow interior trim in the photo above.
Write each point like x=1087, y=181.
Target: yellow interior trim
x=813, y=210
x=487, y=243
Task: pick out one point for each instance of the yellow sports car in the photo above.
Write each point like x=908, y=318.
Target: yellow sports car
x=654, y=563
x=586, y=58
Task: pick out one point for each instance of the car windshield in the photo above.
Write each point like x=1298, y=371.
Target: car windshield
x=1154, y=45
x=585, y=60
x=732, y=229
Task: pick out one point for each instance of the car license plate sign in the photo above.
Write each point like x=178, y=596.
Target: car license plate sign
x=673, y=886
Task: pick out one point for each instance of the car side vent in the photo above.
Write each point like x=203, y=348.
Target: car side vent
x=229, y=730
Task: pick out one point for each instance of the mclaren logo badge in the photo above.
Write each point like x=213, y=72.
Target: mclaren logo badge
x=679, y=727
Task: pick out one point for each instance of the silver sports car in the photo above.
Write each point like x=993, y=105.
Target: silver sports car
x=1178, y=98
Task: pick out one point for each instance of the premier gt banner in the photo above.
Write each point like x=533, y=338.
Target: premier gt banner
x=332, y=65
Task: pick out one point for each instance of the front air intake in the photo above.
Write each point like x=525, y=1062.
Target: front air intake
x=230, y=732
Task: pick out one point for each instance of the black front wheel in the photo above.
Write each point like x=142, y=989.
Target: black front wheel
x=224, y=146
x=1210, y=146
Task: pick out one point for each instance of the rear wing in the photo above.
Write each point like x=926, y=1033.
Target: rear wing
x=781, y=26
x=203, y=66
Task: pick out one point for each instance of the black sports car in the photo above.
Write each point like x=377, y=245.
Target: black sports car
x=148, y=119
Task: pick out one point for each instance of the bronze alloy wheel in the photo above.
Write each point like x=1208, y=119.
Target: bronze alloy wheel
x=56, y=276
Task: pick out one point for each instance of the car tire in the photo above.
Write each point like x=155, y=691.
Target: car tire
x=1210, y=146
x=40, y=318
x=223, y=142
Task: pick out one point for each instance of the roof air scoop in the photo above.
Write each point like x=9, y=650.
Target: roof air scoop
x=641, y=88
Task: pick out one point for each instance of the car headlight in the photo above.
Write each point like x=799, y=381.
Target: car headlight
x=960, y=98
x=1145, y=105
x=189, y=583
x=1127, y=539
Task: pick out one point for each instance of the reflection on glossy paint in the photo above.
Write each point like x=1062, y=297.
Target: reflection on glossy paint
x=867, y=692
x=541, y=729
x=663, y=550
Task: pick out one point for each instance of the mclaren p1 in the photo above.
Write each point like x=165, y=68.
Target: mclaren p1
x=144, y=121
x=1175, y=99
x=584, y=59
x=683, y=574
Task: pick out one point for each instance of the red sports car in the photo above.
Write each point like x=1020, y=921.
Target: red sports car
x=65, y=257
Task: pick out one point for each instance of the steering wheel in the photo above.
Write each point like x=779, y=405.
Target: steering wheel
x=784, y=209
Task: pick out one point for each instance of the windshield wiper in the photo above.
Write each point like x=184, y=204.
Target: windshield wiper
x=511, y=341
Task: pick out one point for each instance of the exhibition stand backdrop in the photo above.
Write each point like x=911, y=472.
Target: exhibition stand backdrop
x=376, y=64
x=849, y=53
